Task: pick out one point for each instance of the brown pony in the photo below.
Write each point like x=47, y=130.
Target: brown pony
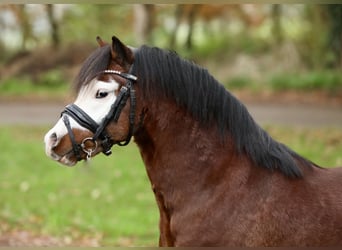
x=219, y=179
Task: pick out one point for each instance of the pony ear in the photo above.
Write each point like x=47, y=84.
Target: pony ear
x=120, y=52
x=100, y=41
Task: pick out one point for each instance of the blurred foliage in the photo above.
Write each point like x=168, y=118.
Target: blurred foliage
x=223, y=46
x=48, y=87
x=322, y=80
x=84, y=22
x=52, y=78
x=240, y=82
x=322, y=31
x=203, y=33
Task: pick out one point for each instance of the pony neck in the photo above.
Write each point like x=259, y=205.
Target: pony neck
x=179, y=153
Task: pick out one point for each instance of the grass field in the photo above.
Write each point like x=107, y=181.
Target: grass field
x=110, y=198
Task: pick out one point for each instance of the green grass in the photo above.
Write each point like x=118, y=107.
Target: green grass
x=322, y=146
x=111, y=197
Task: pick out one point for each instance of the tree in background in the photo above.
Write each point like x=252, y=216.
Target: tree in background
x=54, y=26
x=335, y=32
x=189, y=14
x=277, y=28
x=321, y=42
x=144, y=22
x=23, y=21
x=318, y=41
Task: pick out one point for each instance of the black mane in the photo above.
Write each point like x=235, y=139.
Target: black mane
x=96, y=62
x=163, y=74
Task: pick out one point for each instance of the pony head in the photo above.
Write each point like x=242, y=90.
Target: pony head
x=101, y=115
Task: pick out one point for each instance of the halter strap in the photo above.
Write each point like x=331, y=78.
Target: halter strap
x=75, y=146
x=99, y=130
x=80, y=117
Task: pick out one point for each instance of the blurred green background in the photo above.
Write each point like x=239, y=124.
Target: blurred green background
x=264, y=45
x=263, y=53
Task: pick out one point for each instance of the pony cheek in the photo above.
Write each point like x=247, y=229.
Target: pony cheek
x=118, y=131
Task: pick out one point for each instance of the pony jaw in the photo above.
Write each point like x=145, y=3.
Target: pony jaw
x=67, y=161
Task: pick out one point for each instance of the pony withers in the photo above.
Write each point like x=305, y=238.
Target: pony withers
x=219, y=179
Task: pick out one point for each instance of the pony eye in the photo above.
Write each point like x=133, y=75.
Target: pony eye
x=101, y=94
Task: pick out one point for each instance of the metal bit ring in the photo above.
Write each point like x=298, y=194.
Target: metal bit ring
x=89, y=150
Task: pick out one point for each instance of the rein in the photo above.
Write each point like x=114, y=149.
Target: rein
x=99, y=130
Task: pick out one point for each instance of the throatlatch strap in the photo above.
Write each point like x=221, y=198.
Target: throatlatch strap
x=131, y=114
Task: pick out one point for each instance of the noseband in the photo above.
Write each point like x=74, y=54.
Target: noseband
x=89, y=144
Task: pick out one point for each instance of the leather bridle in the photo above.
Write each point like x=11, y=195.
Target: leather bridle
x=99, y=130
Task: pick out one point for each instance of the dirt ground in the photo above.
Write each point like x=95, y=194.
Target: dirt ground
x=28, y=239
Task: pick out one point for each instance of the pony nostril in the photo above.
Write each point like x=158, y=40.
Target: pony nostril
x=51, y=141
x=53, y=137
